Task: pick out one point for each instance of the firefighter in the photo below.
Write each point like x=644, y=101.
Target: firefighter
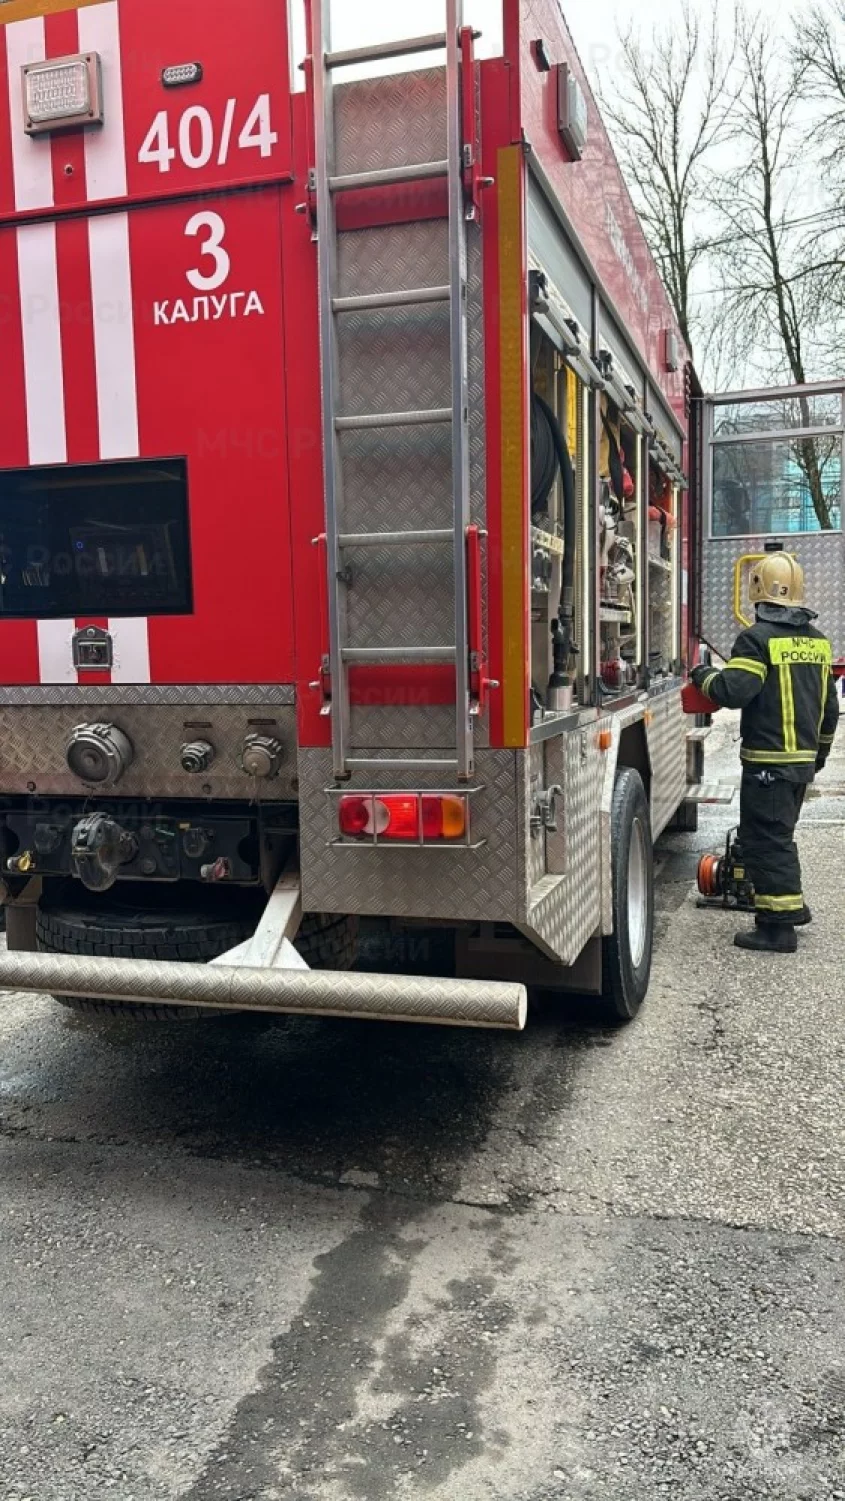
x=780, y=676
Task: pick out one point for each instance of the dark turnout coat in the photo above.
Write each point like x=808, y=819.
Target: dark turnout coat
x=780, y=676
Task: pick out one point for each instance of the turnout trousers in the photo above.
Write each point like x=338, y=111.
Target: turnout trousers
x=769, y=809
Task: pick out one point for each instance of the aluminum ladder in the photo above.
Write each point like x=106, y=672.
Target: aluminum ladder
x=339, y=543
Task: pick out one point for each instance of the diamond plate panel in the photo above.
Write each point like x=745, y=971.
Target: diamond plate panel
x=484, y=885
x=397, y=121
x=34, y=739
x=507, y=880
x=565, y=909
x=481, y=885
x=403, y=728
x=204, y=694
x=406, y=356
x=392, y=257
x=667, y=749
x=307, y=992
x=395, y=479
x=823, y=559
x=402, y=477
x=401, y=597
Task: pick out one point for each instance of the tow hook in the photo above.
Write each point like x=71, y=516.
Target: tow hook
x=99, y=846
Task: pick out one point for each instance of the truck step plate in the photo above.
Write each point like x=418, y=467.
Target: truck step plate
x=711, y=792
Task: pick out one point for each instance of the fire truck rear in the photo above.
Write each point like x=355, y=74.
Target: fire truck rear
x=343, y=519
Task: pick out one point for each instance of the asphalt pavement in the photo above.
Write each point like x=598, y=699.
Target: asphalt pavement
x=321, y=1260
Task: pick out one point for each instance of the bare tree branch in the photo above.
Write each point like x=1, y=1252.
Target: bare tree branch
x=669, y=111
x=773, y=279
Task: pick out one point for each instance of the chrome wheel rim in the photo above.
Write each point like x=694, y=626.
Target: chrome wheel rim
x=637, y=894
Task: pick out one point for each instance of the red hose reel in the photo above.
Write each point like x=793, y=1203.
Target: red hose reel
x=723, y=879
x=710, y=875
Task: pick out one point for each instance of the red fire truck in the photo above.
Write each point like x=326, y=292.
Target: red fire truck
x=344, y=530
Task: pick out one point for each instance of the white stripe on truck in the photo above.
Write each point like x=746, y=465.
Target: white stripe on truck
x=111, y=295
x=42, y=344
x=105, y=150
x=131, y=651
x=55, y=651
x=114, y=336
x=117, y=399
x=32, y=162
x=45, y=403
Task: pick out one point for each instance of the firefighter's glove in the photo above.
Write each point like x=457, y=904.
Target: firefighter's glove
x=821, y=762
x=700, y=675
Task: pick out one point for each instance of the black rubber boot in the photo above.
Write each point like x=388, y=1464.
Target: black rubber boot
x=769, y=938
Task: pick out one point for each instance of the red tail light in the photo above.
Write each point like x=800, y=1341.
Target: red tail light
x=356, y=816
x=403, y=817
x=432, y=817
x=412, y=817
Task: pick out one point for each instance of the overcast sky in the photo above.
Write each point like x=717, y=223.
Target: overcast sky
x=594, y=23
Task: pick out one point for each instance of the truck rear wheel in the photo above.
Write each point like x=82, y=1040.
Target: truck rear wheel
x=327, y=941
x=145, y=924
x=626, y=956
x=149, y=925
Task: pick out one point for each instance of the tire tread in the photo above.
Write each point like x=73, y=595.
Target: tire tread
x=621, y=997
x=326, y=941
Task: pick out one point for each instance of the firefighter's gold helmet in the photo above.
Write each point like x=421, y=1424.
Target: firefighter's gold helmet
x=776, y=580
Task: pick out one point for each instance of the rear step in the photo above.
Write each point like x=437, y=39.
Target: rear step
x=711, y=792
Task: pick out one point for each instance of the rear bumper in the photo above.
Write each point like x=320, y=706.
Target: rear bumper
x=296, y=992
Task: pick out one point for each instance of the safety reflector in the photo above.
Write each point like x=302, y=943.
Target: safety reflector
x=63, y=93
x=403, y=817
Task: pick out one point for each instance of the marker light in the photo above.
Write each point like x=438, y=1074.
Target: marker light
x=453, y=814
x=61, y=94
x=403, y=817
x=176, y=76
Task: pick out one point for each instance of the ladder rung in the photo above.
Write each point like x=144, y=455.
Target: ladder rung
x=414, y=297
x=439, y=182
x=388, y=176
x=398, y=654
x=386, y=50
x=395, y=539
x=393, y=419
x=371, y=763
